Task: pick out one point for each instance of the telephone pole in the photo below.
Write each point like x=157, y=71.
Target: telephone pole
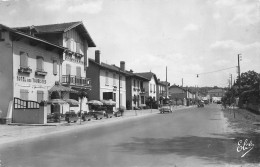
x=238, y=70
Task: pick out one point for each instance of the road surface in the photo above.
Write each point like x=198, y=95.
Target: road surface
x=188, y=137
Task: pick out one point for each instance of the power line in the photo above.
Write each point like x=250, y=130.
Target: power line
x=216, y=71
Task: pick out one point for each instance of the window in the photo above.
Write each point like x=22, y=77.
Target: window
x=107, y=83
x=108, y=95
x=39, y=64
x=23, y=59
x=151, y=88
x=134, y=82
x=114, y=79
x=2, y=36
x=121, y=82
x=142, y=99
x=24, y=94
x=114, y=96
x=55, y=69
x=78, y=48
x=78, y=72
x=68, y=69
x=40, y=96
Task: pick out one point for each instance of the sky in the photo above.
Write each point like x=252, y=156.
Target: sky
x=189, y=37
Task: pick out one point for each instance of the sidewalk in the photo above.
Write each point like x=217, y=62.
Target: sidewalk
x=19, y=132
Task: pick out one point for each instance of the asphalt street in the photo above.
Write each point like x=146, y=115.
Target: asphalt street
x=187, y=137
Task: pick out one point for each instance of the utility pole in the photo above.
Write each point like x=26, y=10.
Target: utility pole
x=238, y=70
x=166, y=85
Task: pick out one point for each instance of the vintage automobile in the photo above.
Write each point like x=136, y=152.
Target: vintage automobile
x=165, y=108
x=201, y=103
x=71, y=116
x=86, y=116
x=97, y=114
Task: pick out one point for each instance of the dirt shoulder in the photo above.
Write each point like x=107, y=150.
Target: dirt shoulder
x=242, y=120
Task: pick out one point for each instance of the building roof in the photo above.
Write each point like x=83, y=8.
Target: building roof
x=60, y=28
x=216, y=90
x=22, y=34
x=113, y=68
x=163, y=83
x=131, y=74
x=148, y=75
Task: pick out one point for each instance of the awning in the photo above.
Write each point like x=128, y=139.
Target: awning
x=59, y=88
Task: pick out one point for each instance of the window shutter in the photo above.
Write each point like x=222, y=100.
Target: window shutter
x=107, y=78
x=68, y=69
x=69, y=44
x=23, y=59
x=40, y=96
x=39, y=63
x=78, y=47
x=55, y=70
x=78, y=71
x=24, y=94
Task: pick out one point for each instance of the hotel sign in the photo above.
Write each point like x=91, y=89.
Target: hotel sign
x=34, y=80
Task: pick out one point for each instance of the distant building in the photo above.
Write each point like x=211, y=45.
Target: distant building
x=150, y=86
x=162, y=91
x=135, y=91
x=216, y=94
x=109, y=81
x=180, y=95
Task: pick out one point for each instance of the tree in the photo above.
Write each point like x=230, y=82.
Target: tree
x=249, y=80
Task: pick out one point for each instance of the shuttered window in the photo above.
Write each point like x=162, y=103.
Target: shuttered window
x=107, y=83
x=55, y=67
x=23, y=59
x=78, y=71
x=68, y=69
x=40, y=96
x=24, y=94
x=114, y=79
x=39, y=65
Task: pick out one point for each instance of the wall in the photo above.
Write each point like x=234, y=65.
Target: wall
x=129, y=91
x=110, y=86
x=6, y=78
x=93, y=73
x=154, y=91
x=30, y=116
x=27, y=81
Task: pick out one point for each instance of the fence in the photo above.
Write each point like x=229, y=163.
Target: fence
x=25, y=104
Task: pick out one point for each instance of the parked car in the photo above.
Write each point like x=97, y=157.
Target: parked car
x=117, y=113
x=97, y=114
x=201, y=103
x=165, y=108
x=109, y=114
x=86, y=116
x=71, y=116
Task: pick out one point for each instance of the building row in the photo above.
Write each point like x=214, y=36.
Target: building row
x=37, y=62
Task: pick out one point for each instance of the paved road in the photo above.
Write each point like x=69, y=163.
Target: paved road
x=188, y=137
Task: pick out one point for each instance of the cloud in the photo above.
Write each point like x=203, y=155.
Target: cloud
x=234, y=45
x=91, y=7
x=191, y=27
x=216, y=15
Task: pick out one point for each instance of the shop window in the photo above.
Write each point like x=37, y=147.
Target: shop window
x=40, y=96
x=23, y=60
x=24, y=93
x=142, y=99
x=55, y=67
x=108, y=95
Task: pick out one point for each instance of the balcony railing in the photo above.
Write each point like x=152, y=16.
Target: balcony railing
x=73, y=80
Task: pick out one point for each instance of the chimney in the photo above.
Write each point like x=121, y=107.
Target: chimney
x=97, y=56
x=131, y=71
x=122, y=65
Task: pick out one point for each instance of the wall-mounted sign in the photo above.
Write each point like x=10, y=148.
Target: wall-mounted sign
x=34, y=80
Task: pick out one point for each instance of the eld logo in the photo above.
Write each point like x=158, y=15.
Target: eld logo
x=245, y=146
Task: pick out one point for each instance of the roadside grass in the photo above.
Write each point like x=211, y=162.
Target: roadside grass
x=242, y=119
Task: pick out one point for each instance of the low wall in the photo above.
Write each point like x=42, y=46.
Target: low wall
x=254, y=107
x=30, y=116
